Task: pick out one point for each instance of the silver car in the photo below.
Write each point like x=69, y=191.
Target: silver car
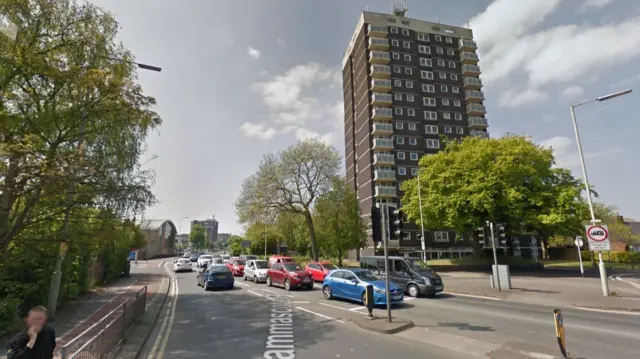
x=256, y=270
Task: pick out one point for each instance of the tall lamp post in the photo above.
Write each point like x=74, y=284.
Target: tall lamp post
x=422, y=239
x=57, y=274
x=601, y=267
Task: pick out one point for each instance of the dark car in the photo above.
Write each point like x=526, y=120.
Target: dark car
x=194, y=257
x=409, y=273
x=216, y=277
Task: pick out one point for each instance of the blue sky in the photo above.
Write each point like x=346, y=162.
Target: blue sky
x=242, y=78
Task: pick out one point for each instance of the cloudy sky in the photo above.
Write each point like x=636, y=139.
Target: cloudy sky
x=245, y=77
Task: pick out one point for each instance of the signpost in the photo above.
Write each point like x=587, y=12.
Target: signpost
x=578, y=242
x=598, y=237
x=8, y=28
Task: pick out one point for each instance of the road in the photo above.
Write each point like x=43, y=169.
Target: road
x=237, y=323
x=240, y=324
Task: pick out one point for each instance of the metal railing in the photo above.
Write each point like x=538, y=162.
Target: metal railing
x=100, y=340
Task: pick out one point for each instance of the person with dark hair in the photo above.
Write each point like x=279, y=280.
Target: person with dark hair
x=38, y=341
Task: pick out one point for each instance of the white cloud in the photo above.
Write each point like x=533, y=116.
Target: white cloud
x=595, y=4
x=566, y=152
x=572, y=92
x=257, y=130
x=515, y=98
x=511, y=44
x=255, y=53
x=303, y=134
x=281, y=42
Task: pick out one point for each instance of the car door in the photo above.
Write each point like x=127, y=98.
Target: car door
x=350, y=286
x=400, y=274
x=248, y=270
x=313, y=269
x=277, y=273
x=337, y=284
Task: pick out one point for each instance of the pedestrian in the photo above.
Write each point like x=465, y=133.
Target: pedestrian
x=38, y=341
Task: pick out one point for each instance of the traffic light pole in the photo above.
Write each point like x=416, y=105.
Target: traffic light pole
x=387, y=281
x=496, y=274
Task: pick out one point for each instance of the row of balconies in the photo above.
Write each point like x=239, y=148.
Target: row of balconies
x=381, y=31
x=384, y=57
x=384, y=85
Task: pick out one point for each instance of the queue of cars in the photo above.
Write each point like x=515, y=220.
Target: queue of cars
x=407, y=275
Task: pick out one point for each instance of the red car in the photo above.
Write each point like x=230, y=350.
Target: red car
x=289, y=275
x=276, y=258
x=319, y=269
x=236, y=266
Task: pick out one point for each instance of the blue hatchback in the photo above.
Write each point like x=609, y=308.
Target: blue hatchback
x=351, y=284
x=216, y=277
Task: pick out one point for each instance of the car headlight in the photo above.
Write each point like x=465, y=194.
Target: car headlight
x=426, y=281
x=380, y=291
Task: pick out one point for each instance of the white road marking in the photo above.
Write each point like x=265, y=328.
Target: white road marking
x=471, y=296
x=160, y=344
x=259, y=295
x=410, y=298
x=319, y=315
x=301, y=302
x=335, y=306
x=538, y=355
x=160, y=264
x=242, y=284
x=276, y=293
x=357, y=308
x=623, y=312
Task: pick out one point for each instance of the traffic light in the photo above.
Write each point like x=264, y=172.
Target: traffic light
x=501, y=235
x=480, y=234
x=396, y=223
x=376, y=224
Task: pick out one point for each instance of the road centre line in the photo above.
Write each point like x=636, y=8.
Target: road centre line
x=623, y=312
x=319, y=315
x=471, y=296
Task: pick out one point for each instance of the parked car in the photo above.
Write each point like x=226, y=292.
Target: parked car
x=248, y=257
x=216, y=277
x=236, y=266
x=194, y=257
x=280, y=259
x=289, y=275
x=319, y=269
x=256, y=270
x=351, y=284
x=182, y=265
x=204, y=259
x=226, y=258
x=413, y=275
x=217, y=262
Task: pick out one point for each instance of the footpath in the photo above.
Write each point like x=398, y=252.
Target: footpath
x=77, y=317
x=582, y=293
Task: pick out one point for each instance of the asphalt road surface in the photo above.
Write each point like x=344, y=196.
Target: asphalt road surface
x=473, y=327
x=263, y=322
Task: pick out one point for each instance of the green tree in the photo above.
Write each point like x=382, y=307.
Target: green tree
x=293, y=228
x=290, y=181
x=257, y=232
x=508, y=180
x=618, y=230
x=338, y=219
x=172, y=237
x=198, y=237
x=235, y=245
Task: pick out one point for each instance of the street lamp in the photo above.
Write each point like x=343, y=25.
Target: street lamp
x=422, y=239
x=601, y=267
x=57, y=274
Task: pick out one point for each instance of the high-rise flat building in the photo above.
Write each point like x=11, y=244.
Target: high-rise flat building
x=407, y=83
x=211, y=226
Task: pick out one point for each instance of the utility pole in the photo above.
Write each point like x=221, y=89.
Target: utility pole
x=56, y=278
x=422, y=239
x=496, y=275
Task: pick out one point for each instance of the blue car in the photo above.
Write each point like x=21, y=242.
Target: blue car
x=216, y=277
x=351, y=284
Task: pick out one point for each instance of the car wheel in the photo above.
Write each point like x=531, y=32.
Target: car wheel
x=206, y=287
x=413, y=290
x=255, y=279
x=244, y=277
x=287, y=284
x=363, y=298
x=326, y=291
x=310, y=286
x=268, y=281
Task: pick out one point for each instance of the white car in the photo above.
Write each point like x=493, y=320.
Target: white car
x=226, y=259
x=256, y=270
x=182, y=265
x=204, y=259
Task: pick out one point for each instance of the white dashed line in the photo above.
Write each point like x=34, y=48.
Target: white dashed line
x=301, y=302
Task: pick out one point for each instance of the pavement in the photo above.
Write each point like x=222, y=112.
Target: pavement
x=78, y=316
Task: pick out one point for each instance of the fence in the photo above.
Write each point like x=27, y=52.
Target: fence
x=99, y=340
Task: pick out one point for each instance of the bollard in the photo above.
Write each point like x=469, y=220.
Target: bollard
x=368, y=300
x=557, y=319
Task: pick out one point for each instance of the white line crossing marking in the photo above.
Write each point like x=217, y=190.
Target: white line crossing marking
x=319, y=315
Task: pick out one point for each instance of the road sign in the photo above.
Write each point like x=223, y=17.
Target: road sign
x=578, y=242
x=245, y=244
x=8, y=28
x=598, y=237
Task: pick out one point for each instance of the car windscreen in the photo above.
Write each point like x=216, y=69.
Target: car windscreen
x=239, y=262
x=218, y=261
x=366, y=276
x=184, y=261
x=292, y=267
x=329, y=266
x=250, y=257
x=205, y=257
x=418, y=265
x=262, y=264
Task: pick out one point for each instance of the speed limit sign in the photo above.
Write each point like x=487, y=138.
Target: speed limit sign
x=598, y=237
